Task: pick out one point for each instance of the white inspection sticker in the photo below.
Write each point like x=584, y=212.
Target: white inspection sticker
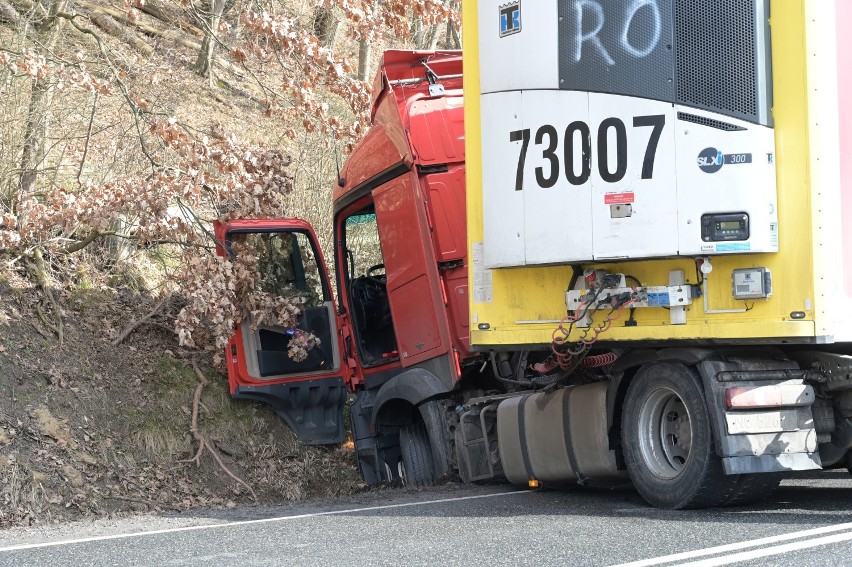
x=481, y=275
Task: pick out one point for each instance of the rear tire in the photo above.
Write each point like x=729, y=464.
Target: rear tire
x=668, y=440
x=415, y=466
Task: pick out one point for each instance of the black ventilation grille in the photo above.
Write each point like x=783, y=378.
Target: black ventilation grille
x=715, y=55
x=707, y=54
x=718, y=124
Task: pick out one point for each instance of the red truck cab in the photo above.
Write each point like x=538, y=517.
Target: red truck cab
x=397, y=334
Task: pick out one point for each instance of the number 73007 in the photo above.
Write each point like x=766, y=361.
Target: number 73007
x=548, y=138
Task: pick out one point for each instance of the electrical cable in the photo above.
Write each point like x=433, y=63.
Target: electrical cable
x=631, y=319
x=699, y=276
x=570, y=355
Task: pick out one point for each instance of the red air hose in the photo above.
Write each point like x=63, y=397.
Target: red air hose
x=598, y=360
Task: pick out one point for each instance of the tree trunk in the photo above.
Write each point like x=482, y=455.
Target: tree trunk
x=365, y=49
x=204, y=63
x=35, y=130
x=457, y=38
x=451, y=35
x=452, y=38
x=417, y=32
x=432, y=36
x=34, y=133
x=424, y=37
x=452, y=41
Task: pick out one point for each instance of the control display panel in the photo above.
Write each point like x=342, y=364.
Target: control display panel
x=724, y=227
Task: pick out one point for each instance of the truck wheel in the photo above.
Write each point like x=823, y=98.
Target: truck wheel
x=753, y=488
x=415, y=465
x=668, y=441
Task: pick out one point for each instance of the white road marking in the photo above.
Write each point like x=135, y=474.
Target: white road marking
x=250, y=522
x=767, y=551
x=742, y=545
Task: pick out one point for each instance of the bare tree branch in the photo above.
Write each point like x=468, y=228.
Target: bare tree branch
x=135, y=324
x=77, y=246
x=88, y=139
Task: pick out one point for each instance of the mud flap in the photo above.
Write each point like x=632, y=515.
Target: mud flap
x=765, y=440
x=312, y=408
x=367, y=447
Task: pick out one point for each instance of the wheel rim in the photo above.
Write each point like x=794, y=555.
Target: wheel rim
x=665, y=433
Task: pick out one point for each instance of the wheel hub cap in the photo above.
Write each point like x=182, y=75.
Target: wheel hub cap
x=665, y=433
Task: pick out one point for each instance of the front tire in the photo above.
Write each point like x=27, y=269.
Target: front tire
x=416, y=467
x=668, y=440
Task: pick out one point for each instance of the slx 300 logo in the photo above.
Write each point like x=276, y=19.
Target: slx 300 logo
x=510, y=18
x=711, y=160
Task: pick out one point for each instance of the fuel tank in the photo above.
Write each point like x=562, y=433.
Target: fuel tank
x=557, y=437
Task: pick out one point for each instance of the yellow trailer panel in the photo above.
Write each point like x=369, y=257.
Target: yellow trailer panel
x=810, y=300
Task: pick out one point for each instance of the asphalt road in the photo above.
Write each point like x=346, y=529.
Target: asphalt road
x=807, y=523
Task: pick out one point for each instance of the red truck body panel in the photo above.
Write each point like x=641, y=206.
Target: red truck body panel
x=421, y=213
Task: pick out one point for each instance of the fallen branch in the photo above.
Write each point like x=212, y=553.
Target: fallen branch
x=113, y=28
x=159, y=11
x=132, y=326
x=170, y=35
x=202, y=441
x=159, y=325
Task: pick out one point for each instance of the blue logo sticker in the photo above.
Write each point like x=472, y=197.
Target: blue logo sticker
x=510, y=18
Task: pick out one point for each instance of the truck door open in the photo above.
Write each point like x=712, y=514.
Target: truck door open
x=305, y=385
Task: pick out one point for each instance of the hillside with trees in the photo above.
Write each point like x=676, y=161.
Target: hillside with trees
x=125, y=131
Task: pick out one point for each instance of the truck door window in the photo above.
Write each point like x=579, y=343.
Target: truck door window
x=367, y=286
x=287, y=266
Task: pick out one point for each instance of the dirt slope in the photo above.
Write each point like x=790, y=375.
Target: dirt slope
x=91, y=429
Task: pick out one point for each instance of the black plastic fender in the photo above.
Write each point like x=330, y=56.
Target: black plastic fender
x=415, y=386
x=690, y=356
